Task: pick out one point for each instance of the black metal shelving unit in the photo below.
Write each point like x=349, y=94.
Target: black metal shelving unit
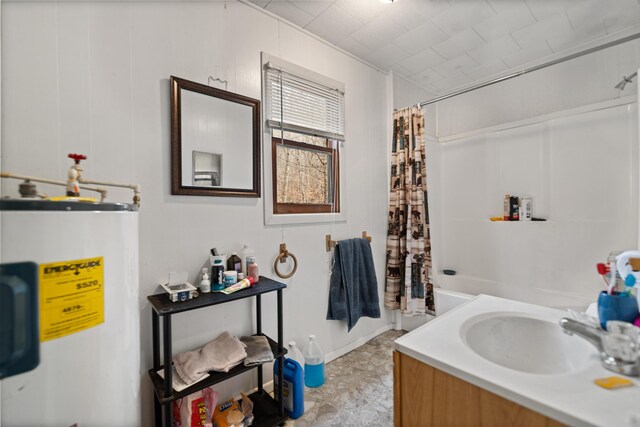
x=267, y=410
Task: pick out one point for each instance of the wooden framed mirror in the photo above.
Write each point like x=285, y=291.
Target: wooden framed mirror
x=215, y=141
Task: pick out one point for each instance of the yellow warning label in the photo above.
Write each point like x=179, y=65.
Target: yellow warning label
x=71, y=297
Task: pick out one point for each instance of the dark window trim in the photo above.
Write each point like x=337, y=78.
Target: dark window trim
x=306, y=208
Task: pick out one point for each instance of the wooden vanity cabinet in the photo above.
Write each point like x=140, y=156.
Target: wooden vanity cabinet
x=425, y=396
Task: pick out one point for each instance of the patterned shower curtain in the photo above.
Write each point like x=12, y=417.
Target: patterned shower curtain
x=408, y=286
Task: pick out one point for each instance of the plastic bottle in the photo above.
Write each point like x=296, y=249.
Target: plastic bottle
x=253, y=271
x=313, y=363
x=515, y=206
x=245, y=254
x=217, y=275
x=295, y=354
x=234, y=262
x=506, y=208
x=525, y=208
x=205, y=283
x=292, y=386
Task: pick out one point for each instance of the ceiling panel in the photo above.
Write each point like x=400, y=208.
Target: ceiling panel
x=451, y=82
x=537, y=51
x=355, y=47
x=487, y=69
x=378, y=32
x=442, y=45
x=460, y=43
x=420, y=38
x=387, y=55
x=334, y=25
x=423, y=60
x=290, y=12
x=494, y=49
x=363, y=10
x=427, y=76
x=314, y=7
x=504, y=22
x=542, y=9
x=554, y=26
x=462, y=15
x=460, y=63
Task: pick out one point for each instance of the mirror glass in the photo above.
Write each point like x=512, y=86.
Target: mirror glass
x=215, y=141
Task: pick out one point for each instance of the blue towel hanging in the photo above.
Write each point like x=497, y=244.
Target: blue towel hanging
x=353, y=291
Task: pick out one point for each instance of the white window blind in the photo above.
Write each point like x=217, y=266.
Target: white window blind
x=298, y=104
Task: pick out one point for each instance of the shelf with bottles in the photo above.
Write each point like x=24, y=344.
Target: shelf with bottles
x=267, y=410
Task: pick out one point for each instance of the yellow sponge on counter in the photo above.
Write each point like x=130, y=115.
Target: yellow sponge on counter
x=613, y=382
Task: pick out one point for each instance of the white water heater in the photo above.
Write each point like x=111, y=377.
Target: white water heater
x=89, y=315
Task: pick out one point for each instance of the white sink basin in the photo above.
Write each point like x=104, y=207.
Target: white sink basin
x=525, y=343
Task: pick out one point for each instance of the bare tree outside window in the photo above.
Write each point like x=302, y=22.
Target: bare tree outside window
x=305, y=173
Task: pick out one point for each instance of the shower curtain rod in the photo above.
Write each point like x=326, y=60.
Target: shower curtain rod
x=536, y=68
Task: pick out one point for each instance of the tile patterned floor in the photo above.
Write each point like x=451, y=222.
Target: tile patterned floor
x=358, y=388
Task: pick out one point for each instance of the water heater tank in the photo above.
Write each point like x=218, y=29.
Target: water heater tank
x=89, y=310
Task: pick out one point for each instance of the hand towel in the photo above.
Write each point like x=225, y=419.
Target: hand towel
x=258, y=350
x=353, y=288
x=220, y=355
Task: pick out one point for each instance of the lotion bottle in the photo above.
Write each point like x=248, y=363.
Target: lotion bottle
x=205, y=283
x=245, y=254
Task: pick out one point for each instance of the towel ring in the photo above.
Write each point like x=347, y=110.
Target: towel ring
x=282, y=258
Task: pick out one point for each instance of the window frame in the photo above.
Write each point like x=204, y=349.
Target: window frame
x=271, y=219
x=334, y=177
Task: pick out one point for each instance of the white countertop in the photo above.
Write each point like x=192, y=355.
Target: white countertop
x=570, y=398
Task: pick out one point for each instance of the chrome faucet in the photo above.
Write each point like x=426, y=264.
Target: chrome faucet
x=589, y=333
x=620, y=357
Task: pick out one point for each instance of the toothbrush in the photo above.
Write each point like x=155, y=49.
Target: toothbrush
x=612, y=275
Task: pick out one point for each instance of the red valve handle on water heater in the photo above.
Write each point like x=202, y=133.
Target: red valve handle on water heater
x=77, y=157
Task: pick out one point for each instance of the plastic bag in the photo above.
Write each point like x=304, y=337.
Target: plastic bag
x=196, y=409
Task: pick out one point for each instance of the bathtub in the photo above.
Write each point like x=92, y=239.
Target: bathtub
x=445, y=301
x=448, y=299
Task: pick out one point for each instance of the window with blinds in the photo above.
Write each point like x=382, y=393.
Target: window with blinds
x=305, y=112
x=298, y=104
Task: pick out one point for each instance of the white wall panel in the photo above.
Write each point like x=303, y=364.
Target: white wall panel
x=406, y=94
x=33, y=88
x=580, y=169
x=92, y=77
x=582, y=81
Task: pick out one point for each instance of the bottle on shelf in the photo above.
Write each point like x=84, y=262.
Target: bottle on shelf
x=217, y=275
x=253, y=270
x=525, y=208
x=313, y=363
x=205, y=283
x=245, y=254
x=515, y=207
x=506, y=208
x=234, y=262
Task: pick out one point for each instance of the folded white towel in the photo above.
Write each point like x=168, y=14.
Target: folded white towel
x=220, y=355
